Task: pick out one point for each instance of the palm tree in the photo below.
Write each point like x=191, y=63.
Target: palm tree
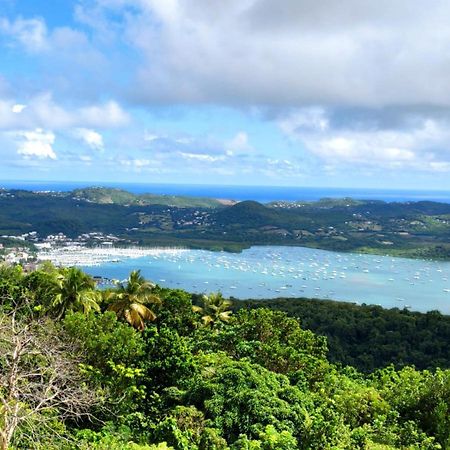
x=75, y=291
x=130, y=299
x=215, y=309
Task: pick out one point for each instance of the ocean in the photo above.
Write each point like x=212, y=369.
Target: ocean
x=261, y=194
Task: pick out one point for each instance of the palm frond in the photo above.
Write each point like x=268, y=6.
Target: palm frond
x=135, y=319
x=143, y=311
x=207, y=320
x=225, y=316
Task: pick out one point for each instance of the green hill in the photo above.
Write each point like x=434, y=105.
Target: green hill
x=102, y=195
x=248, y=213
x=183, y=372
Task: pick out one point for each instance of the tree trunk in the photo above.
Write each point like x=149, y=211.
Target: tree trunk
x=4, y=444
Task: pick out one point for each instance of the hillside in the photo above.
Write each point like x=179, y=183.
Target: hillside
x=79, y=372
x=248, y=213
x=115, y=196
x=410, y=229
x=369, y=337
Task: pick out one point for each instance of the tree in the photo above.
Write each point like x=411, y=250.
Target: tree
x=42, y=286
x=269, y=439
x=239, y=397
x=39, y=379
x=12, y=291
x=169, y=358
x=75, y=291
x=215, y=310
x=131, y=299
x=113, y=353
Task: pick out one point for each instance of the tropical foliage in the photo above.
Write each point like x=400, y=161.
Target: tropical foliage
x=94, y=376
x=369, y=337
x=215, y=309
x=74, y=291
x=131, y=299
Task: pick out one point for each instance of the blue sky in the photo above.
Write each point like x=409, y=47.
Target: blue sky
x=298, y=92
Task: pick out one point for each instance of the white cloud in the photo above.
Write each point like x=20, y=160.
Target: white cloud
x=201, y=157
x=92, y=138
x=239, y=144
x=139, y=165
x=18, y=108
x=139, y=162
x=424, y=145
x=282, y=167
x=31, y=33
x=43, y=112
x=290, y=53
x=37, y=143
x=108, y=114
x=149, y=137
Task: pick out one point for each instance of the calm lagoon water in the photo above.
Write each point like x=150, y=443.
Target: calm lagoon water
x=269, y=272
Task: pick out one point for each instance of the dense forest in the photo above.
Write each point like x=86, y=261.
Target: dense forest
x=410, y=229
x=139, y=367
x=369, y=337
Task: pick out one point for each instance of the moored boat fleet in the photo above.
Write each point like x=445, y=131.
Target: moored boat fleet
x=263, y=272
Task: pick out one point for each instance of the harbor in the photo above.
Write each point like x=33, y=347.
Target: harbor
x=271, y=271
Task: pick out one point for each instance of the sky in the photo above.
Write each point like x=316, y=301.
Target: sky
x=348, y=93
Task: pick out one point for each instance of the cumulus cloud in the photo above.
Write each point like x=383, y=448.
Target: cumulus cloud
x=259, y=52
x=37, y=144
x=30, y=33
x=140, y=165
x=276, y=168
x=350, y=84
x=18, y=108
x=201, y=157
x=90, y=137
x=149, y=137
x=239, y=144
x=287, y=53
x=421, y=145
x=43, y=112
x=108, y=114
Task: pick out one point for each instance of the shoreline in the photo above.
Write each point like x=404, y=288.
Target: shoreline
x=268, y=272
x=96, y=256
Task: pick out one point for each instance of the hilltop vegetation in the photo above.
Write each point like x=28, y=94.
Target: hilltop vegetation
x=139, y=367
x=420, y=229
x=121, y=197
x=369, y=337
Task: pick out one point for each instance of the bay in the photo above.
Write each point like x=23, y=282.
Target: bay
x=272, y=271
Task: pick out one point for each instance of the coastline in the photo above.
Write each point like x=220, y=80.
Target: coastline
x=272, y=271
x=96, y=256
x=108, y=254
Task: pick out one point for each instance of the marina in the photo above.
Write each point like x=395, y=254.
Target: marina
x=272, y=271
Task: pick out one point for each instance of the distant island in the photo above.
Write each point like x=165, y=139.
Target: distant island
x=96, y=215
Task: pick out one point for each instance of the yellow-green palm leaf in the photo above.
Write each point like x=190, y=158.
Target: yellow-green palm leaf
x=215, y=309
x=131, y=299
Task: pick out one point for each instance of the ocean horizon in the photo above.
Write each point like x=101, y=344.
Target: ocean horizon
x=261, y=194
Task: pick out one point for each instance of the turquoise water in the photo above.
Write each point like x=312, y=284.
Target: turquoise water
x=269, y=272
